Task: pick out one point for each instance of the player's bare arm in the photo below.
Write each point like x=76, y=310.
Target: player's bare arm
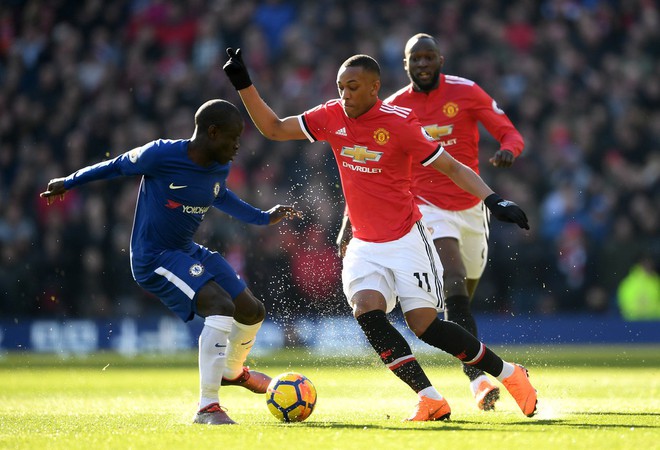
x=279, y=212
x=265, y=119
x=468, y=180
x=462, y=175
x=55, y=189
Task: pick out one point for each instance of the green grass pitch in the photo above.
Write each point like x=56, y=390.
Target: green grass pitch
x=589, y=397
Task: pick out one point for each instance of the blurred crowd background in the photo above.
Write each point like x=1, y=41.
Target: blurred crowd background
x=85, y=80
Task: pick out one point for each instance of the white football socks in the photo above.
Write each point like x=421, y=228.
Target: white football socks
x=240, y=342
x=212, y=357
x=430, y=392
x=507, y=371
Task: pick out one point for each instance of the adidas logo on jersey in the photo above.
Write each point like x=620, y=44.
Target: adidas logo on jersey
x=341, y=132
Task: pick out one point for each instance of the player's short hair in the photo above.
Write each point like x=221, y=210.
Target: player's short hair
x=366, y=62
x=217, y=112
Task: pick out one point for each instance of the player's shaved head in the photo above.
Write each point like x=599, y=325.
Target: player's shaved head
x=221, y=113
x=419, y=37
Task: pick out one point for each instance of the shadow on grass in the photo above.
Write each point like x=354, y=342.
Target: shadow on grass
x=616, y=413
x=451, y=425
x=463, y=425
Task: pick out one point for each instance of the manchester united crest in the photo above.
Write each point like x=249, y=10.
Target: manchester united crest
x=450, y=109
x=381, y=136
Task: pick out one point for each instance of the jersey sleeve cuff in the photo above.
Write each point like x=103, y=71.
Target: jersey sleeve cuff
x=264, y=219
x=433, y=156
x=305, y=129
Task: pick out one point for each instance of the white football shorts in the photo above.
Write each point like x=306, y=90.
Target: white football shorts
x=408, y=268
x=470, y=227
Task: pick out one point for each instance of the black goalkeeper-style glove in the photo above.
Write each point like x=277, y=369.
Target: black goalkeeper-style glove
x=236, y=70
x=506, y=211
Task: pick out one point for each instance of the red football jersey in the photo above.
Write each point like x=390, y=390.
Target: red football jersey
x=374, y=153
x=451, y=115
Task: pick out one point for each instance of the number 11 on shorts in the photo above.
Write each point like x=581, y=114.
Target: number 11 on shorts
x=426, y=280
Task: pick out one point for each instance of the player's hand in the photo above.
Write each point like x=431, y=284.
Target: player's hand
x=55, y=189
x=236, y=70
x=279, y=212
x=506, y=211
x=503, y=158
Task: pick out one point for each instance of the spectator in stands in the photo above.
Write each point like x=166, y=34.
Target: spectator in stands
x=639, y=292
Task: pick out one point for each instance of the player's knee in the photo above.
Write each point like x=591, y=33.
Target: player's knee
x=212, y=300
x=367, y=300
x=249, y=309
x=419, y=319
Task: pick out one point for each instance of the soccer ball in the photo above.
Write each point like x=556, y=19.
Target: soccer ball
x=291, y=397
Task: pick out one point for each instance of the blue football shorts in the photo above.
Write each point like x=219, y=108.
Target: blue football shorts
x=175, y=277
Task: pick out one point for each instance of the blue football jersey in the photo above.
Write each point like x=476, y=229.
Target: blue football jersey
x=174, y=195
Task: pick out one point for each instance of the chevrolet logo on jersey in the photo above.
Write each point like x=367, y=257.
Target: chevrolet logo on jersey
x=437, y=132
x=361, y=154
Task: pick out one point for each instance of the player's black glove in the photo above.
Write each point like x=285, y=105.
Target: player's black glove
x=506, y=211
x=236, y=70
